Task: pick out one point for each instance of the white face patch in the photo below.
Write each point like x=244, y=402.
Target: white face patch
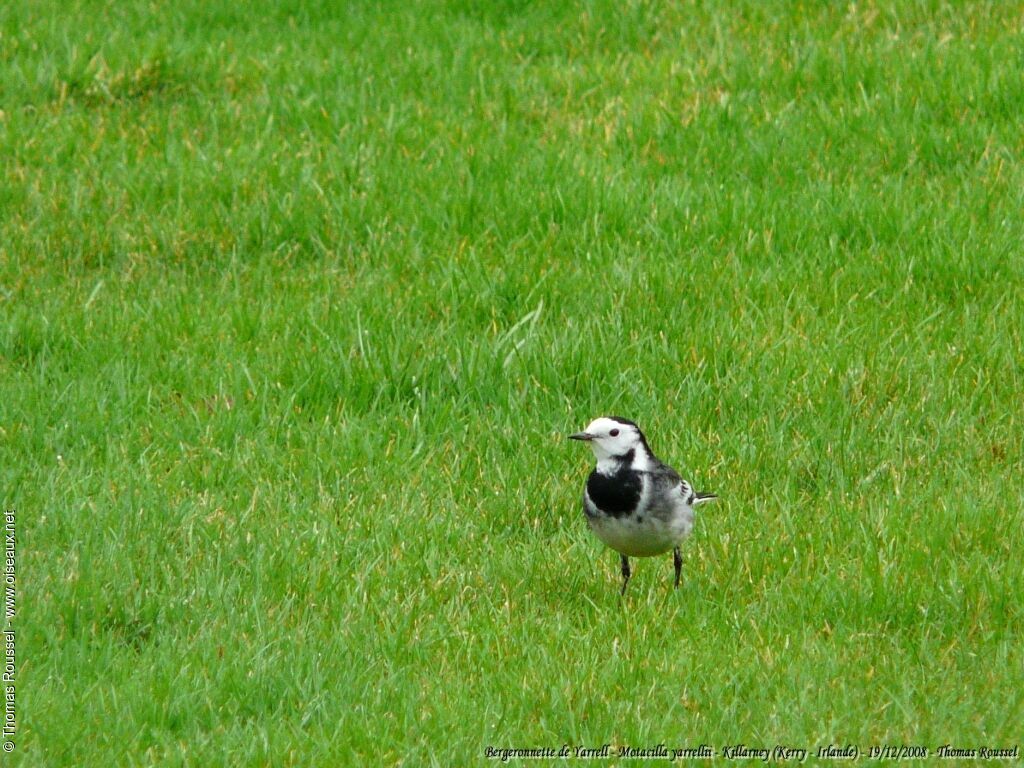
x=612, y=440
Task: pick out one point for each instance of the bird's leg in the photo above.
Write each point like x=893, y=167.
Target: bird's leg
x=625, y=574
x=677, y=558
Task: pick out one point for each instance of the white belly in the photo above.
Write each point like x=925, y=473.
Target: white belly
x=651, y=537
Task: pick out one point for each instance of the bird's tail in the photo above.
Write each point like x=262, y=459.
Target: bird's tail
x=701, y=497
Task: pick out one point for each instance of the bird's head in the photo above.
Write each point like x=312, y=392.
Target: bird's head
x=614, y=438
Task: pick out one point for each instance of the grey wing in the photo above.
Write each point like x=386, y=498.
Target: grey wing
x=668, y=487
x=686, y=490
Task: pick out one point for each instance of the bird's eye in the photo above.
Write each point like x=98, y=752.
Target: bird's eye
x=614, y=433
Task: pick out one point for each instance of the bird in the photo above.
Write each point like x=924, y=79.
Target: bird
x=633, y=502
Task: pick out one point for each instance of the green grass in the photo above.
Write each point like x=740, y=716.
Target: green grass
x=299, y=302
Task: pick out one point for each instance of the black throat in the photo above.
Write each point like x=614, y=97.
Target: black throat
x=616, y=494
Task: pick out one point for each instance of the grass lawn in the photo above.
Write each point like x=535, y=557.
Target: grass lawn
x=299, y=301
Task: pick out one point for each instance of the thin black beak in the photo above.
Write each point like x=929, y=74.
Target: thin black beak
x=582, y=436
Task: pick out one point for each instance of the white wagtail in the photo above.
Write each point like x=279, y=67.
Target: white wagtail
x=634, y=503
